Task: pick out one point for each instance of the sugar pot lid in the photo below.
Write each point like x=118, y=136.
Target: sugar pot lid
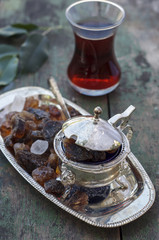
x=95, y=133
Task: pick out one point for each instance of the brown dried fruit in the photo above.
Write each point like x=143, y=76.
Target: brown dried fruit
x=10, y=115
x=30, y=161
x=31, y=102
x=73, y=112
x=55, y=113
x=50, y=129
x=5, y=128
x=39, y=114
x=31, y=125
x=75, y=152
x=78, y=154
x=98, y=156
x=53, y=161
x=20, y=146
x=9, y=142
x=35, y=135
x=18, y=128
x=54, y=186
x=43, y=174
x=27, y=116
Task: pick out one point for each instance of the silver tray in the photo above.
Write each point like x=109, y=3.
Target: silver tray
x=129, y=197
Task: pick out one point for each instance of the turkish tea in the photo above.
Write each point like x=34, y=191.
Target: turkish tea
x=94, y=65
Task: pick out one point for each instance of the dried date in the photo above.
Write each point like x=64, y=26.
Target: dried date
x=31, y=102
x=30, y=161
x=75, y=152
x=50, y=129
x=43, y=174
x=18, y=128
x=54, y=186
x=53, y=161
x=39, y=114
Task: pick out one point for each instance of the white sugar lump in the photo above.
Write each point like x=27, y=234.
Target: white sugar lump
x=39, y=147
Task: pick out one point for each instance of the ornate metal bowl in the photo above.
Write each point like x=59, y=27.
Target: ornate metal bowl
x=99, y=174
x=89, y=175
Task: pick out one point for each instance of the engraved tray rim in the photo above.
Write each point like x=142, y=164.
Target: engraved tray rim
x=28, y=91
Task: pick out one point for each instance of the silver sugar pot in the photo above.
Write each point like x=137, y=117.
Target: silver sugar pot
x=95, y=134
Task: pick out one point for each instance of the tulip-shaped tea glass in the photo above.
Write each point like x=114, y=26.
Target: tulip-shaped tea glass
x=94, y=69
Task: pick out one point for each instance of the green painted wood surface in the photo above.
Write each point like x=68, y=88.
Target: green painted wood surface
x=25, y=213
x=140, y=87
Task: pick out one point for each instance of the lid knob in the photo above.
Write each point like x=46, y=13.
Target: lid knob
x=97, y=113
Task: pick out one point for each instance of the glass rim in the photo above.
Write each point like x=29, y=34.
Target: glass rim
x=113, y=25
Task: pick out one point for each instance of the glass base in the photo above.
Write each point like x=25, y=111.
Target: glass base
x=94, y=93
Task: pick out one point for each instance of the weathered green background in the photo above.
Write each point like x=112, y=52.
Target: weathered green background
x=24, y=213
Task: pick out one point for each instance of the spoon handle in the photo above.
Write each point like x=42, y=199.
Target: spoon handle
x=58, y=96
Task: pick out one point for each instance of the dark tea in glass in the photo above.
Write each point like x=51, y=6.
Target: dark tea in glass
x=94, y=69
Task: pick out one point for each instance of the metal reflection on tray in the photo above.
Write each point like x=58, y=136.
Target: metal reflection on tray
x=120, y=200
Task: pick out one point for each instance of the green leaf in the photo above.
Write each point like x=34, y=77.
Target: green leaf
x=29, y=26
x=8, y=50
x=34, y=52
x=8, y=69
x=10, y=31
